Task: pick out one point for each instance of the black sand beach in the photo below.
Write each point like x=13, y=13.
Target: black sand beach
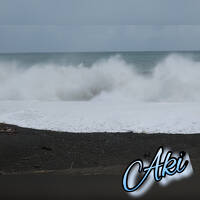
x=46, y=164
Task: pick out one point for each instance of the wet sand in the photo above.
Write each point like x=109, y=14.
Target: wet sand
x=83, y=165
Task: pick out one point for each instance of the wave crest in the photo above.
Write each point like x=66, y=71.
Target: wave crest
x=174, y=79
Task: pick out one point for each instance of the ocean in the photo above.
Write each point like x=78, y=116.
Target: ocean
x=97, y=92
x=139, y=76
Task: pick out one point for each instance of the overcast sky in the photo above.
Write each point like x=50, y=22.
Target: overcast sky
x=99, y=25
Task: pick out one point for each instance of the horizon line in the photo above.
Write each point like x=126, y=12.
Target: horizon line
x=113, y=51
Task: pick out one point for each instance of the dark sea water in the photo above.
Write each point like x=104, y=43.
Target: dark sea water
x=142, y=60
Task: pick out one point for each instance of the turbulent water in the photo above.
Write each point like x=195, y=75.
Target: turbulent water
x=135, y=76
x=150, y=92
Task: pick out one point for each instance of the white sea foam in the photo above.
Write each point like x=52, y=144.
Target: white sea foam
x=108, y=96
x=93, y=116
x=175, y=79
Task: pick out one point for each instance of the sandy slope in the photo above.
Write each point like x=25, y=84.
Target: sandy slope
x=85, y=166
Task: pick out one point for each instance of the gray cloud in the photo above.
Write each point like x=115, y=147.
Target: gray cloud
x=99, y=25
x=99, y=12
x=98, y=38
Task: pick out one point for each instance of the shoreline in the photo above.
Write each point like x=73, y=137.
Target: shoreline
x=58, y=165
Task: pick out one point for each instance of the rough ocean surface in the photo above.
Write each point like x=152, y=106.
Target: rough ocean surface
x=99, y=116
x=148, y=92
